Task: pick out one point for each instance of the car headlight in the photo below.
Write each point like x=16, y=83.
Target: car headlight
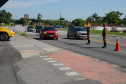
x=11, y=30
x=45, y=33
x=56, y=33
x=78, y=32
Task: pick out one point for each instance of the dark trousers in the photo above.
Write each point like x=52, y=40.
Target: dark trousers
x=104, y=40
x=88, y=37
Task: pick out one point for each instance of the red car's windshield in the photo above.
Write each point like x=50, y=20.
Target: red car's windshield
x=49, y=28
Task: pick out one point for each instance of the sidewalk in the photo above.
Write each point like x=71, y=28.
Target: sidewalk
x=89, y=68
x=8, y=56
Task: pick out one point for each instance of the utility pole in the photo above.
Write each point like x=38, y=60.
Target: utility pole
x=60, y=19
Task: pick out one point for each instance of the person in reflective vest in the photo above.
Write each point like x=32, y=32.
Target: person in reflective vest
x=88, y=27
x=104, y=34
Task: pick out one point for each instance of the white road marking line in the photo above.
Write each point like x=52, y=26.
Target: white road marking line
x=71, y=73
x=105, y=62
x=52, y=61
x=43, y=56
x=64, y=68
x=47, y=58
x=57, y=64
x=79, y=79
x=96, y=59
x=115, y=65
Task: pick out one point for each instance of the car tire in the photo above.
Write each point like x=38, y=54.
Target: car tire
x=75, y=36
x=41, y=37
x=68, y=36
x=4, y=37
x=55, y=38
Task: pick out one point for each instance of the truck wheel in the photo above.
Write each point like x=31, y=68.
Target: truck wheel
x=3, y=37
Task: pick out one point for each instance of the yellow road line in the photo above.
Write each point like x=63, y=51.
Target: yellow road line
x=24, y=41
x=107, y=42
x=117, y=37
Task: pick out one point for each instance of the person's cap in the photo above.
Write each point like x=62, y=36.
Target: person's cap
x=104, y=24
x=87, y=22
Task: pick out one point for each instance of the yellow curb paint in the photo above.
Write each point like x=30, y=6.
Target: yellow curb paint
x=117, y=37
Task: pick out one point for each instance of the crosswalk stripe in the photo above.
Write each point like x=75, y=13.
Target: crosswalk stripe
x=71, y=73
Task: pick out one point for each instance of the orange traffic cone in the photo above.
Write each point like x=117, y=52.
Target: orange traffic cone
x=117, y=48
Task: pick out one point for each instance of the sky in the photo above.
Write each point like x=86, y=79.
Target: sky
x=69, y=9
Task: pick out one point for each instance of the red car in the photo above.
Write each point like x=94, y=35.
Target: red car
x=48, y=32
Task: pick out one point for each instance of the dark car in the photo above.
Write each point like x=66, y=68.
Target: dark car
x=38, y=29
x=48, y=32
x=124, y=31
x=30, y=28
x=77, y=32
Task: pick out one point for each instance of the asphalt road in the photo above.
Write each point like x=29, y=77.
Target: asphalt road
x=38, y=70
x=94, y=50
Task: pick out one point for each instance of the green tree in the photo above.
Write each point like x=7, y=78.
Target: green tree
x=62, y=19
x=90, y=19
x=22, y=20
x=124, y=20
x=5, y=17
x=78, y=22
x=99, y=20
x=39, y=17
x=95, y=16
x=113, y=17
x=31, y=23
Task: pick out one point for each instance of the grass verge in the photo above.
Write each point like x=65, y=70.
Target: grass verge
x=22, y=34
x=109, y=33
x=6, y=25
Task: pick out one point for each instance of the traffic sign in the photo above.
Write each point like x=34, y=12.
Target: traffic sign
x=26, y=15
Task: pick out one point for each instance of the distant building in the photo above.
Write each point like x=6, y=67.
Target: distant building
x=95, y=24
x=68, y=22
x=36, y=22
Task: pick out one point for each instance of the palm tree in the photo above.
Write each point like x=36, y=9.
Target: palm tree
x=95, y=15
x=39, y=18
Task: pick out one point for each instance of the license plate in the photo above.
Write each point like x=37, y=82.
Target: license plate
x=51, y=35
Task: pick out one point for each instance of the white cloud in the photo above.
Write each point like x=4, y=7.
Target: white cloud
x=89, y=3
x=96, y=2
x=26, y=3
x=124, y=9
